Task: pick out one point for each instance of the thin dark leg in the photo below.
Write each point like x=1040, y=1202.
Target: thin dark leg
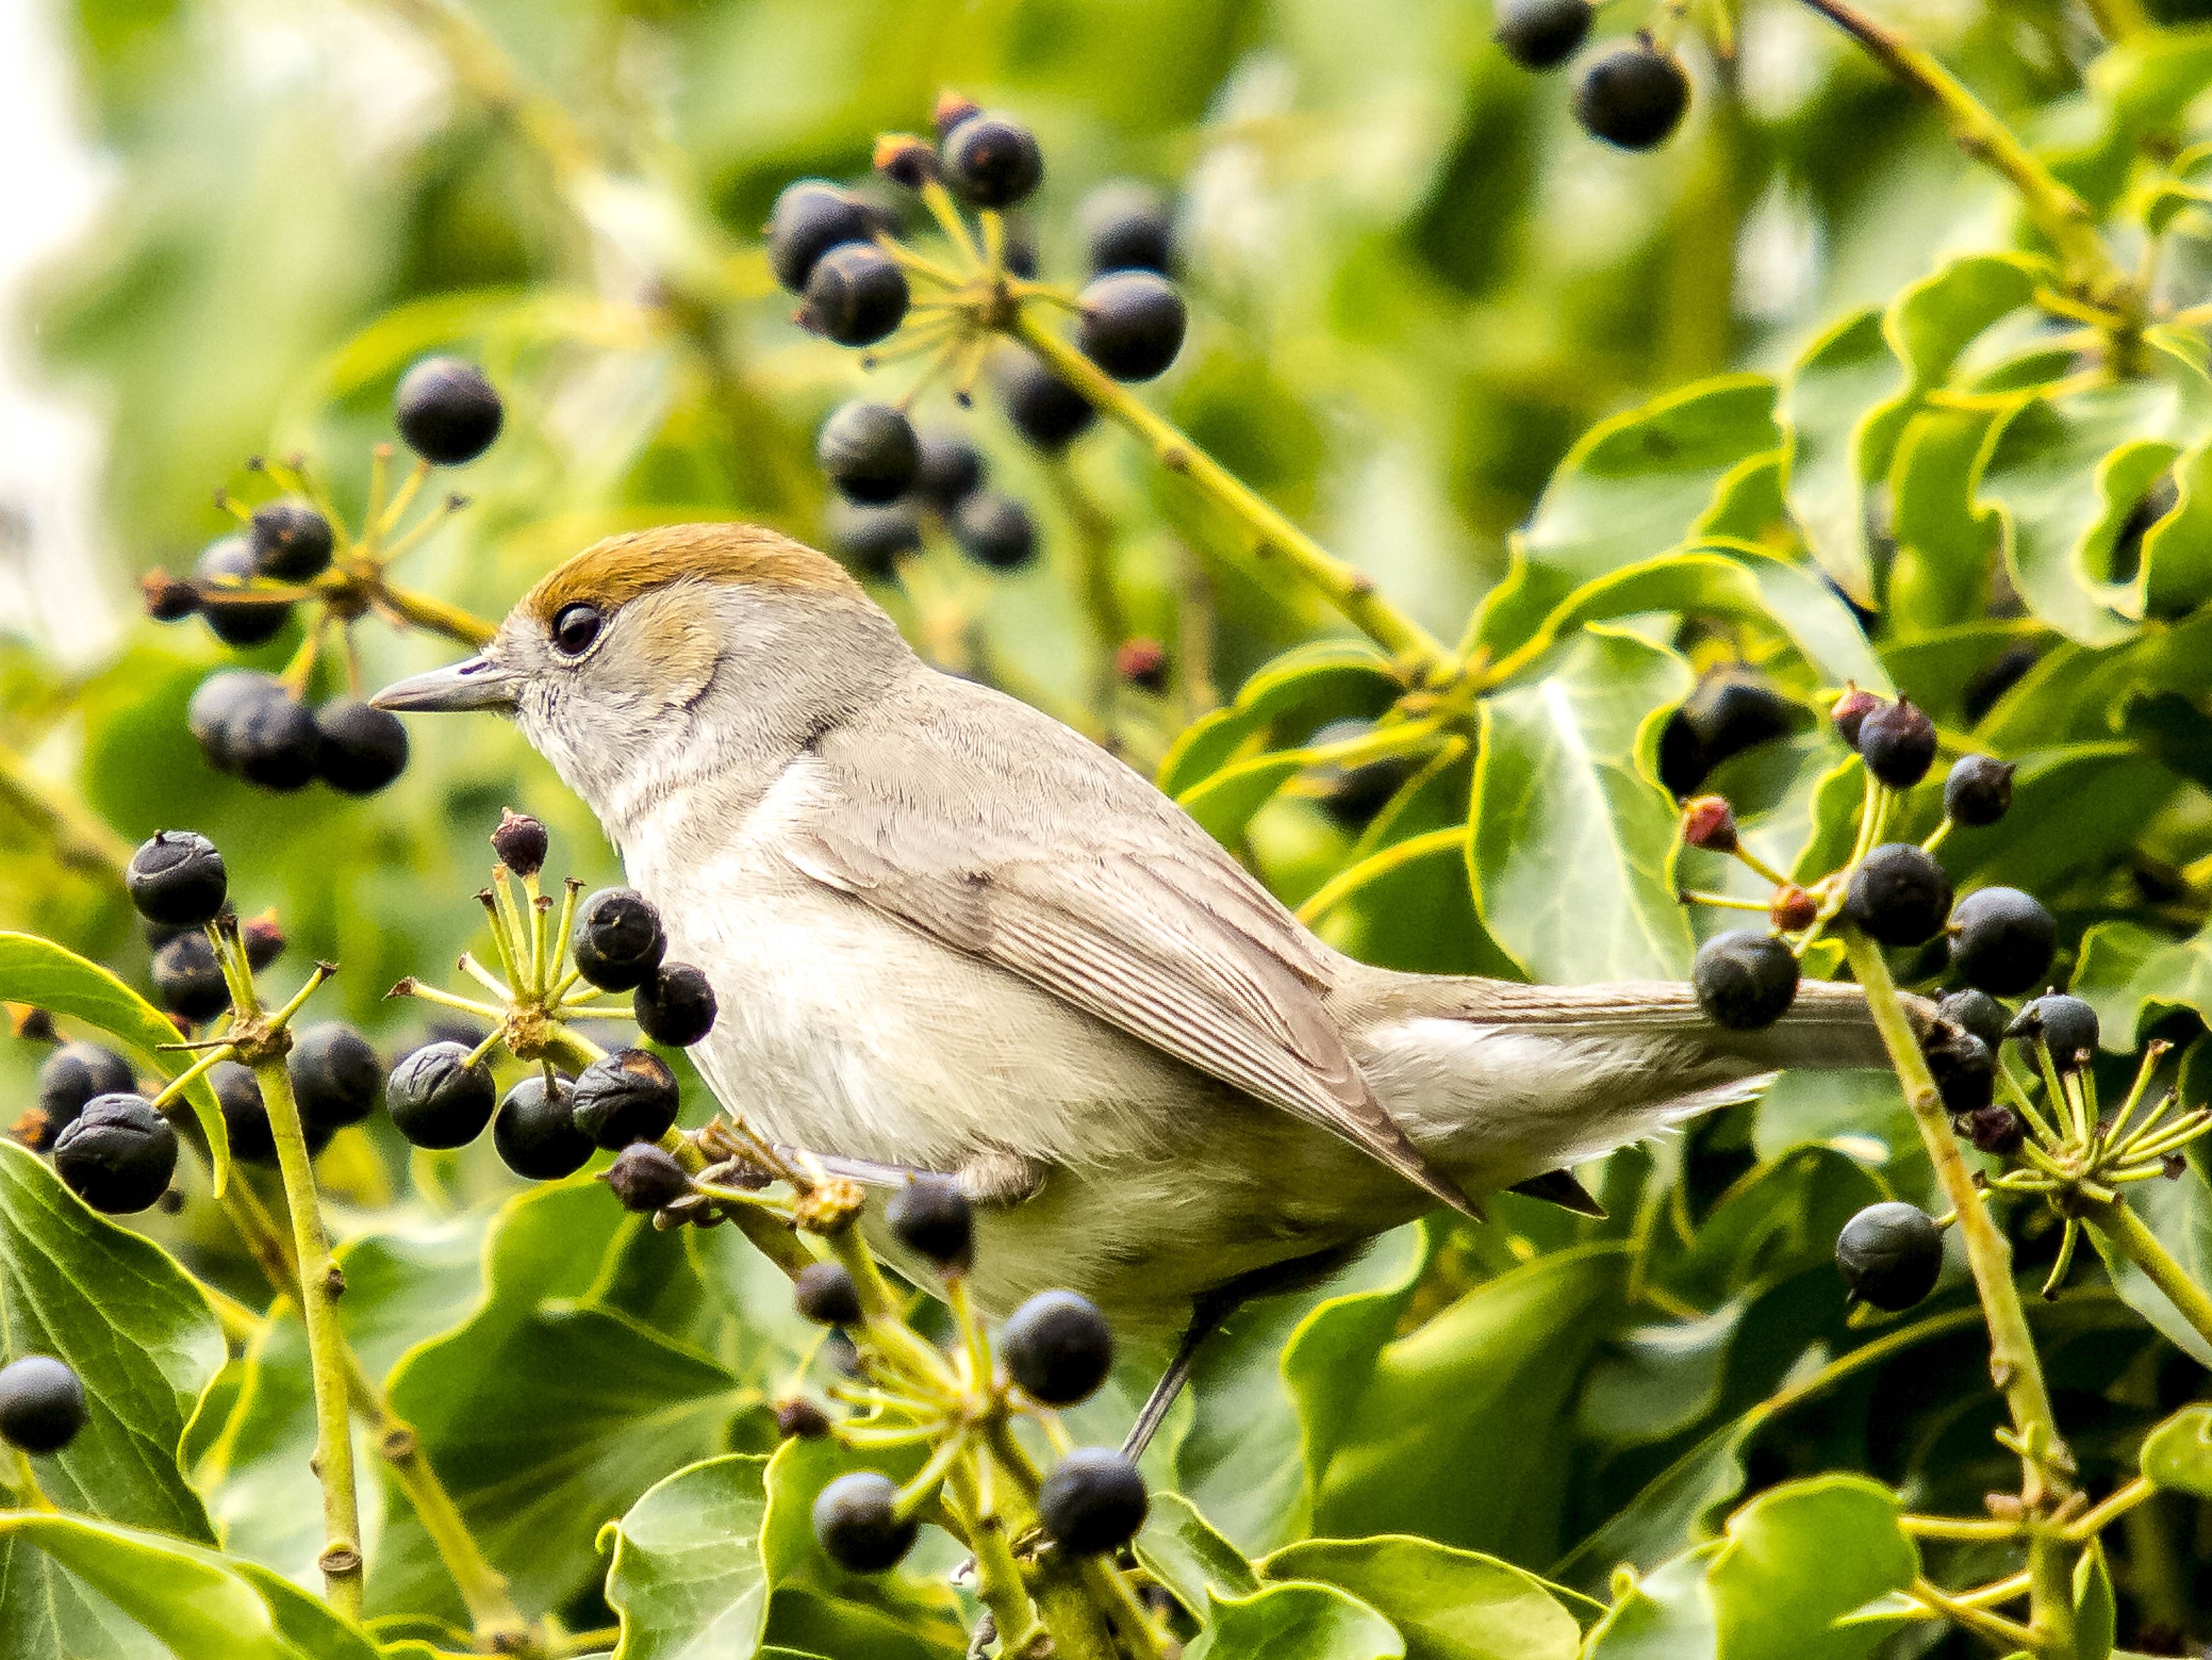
x=1206, y=1319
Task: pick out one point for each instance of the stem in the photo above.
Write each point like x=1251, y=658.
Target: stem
x=1098, y=1587
x=423, y=611
x=1349, y=589
x=2119, y=20
x=79, y=841
x=2125, y=1232
x=1095, y=537
x=998, y=1576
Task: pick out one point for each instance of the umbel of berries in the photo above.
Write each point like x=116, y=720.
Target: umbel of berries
x=448, y=412
x=1633, y=96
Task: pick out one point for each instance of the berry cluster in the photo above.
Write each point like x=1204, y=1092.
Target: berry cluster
x=295, y=550
x=1633, y=96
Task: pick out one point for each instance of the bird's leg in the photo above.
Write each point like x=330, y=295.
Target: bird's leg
x=1206, y=1318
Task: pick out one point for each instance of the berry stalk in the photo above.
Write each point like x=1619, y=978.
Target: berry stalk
x=2125, y=1231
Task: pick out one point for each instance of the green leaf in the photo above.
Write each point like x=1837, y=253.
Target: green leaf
x=1940, y=576
x=2178, y=1453
x=1774, y=1223
x=2135, y=89
x=1799, y=1557
x=1295, y=1622
x=2072, y=809
x=1446, y=1604
x=687, y=1577
x=1181, y=1549
x=40, y=973
x=2180, y=1215
x=1672, y=1510
x=258, y=1477
x=2134, y=978
x=1664, y=1616
x=1571, y=832
x=2096, y=1616
x=1224, y=804
x=1330, y=675
x=1826, y=405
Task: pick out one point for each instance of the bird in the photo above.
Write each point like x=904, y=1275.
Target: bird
x=949, y=934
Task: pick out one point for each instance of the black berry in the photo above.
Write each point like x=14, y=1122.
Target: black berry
x=1044, y=409
x=1132, y=324
x=1633, y=96
x=2002, y=940
x=1978, y=790
x=1744, y=980
x=250, y=726
x=72, y=1075
x=994, y=529
x=291, y=541
x=536, y=1134
x=869, y=452
x=1353, y=795
x=1965, y=1069
x=448, y=412
x=872, y=539
x=337, y=1077
x=855, y=295
x=177, y=879
x=801, y=1418
x=677, y=1006
x=931, y=1218
x=950, y=472
x=1093, y=1501
x=810, y=218
x=1058, y=1346
x=361, y=748
x=1899, y=896
x=1994, y=1130
x=1898, y=742
x=992, y=162
x=629, y=1096
x=520, y=842
x=228, y=565
x=264, y=941
x=168, y=598
x=1542, y=35
x=1977, y=1014
x=644, y=1177
x=856, y=1518
x=1125, y=225
x=437, y=1099
x=2066, y=1026
x=120, y=1154
x=617, y=940
x=218, y=703
x=825, y=1294
x=41, y=1404
x=245, y=1114
x=190, y=979
x=1890, y=1255
x=1732, y=710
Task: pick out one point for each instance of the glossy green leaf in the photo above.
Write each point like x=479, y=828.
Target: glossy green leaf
x=1940, y=575
x=1295, y=1622
x=2072, y=809
x=1657, y=1380
x=2137, y=88
x=1673, y=1513
x=686, y=1576
x=1800, y=1557
x=1224, y=804
x=1182, y=1550
x=261, y=1488
x=2177, y=1454
x=42, y=974
x=1323, y=677
x=2134, y=977
x=1571, y=833
x=1825, y=401
x=1662, y=1615
x=1446, y=1604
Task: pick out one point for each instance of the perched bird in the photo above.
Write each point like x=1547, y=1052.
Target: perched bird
x=949, y=934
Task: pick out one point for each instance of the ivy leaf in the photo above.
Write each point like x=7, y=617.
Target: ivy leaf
x=2096, y=1616
x=1674, y=1508
x=2178, y=1453
x=258, y=1482
x=2135, y=89
x=687, y=1577
x=42, y=974
x=1571, y=833
x=1446, y=1604
x=1662, y=1616
x=1324, y=680
x=1940, y=575
x=1798, y=1558
x=2134, y=977
x=2072, y=809
x=1181, y=1549
x=1295, y=1622
x=1826, y=405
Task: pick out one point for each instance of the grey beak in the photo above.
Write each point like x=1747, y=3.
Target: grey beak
x=475, y=683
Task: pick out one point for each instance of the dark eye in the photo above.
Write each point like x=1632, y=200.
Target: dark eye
x=574, y=629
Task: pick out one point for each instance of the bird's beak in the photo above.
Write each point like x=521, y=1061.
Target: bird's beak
x=478, y=683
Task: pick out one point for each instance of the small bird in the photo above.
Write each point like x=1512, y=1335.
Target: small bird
x=947, y=934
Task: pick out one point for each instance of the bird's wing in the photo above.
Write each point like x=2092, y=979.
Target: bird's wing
x=1115, y=903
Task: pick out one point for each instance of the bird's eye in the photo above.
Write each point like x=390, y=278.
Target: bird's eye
x=574, y=629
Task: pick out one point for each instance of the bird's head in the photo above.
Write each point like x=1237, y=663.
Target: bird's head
x=653, y=660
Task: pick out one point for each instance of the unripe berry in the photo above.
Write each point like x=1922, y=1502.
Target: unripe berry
x=2066, y=1026
x=869, y=452
x=1899, y=896
x=1132, y=324
x=177, y=879
x=1978, y=790
x=617, y=940
x=629, y=1096
x=1898, y=742
x=337, y=1077
x=42, y=1404
x=168, y=598
x=291, y=541
x=906, y=160
x=856, y=1519
x=448, y=412
x=1058, y=1347
x=1142, y=663
x=228, y=564
x=801, y=1420
x=1745, y=981
x=1094, y=1501
x=1709, y=822
x=1850, y=712
x=931, y=1218
x=263, y=939
x=810, y=217
x=2002, y=940
x=363, y=748
x=520, y=842
x=677, y=1006
x=995, y=530
x=1890, y=1255
x=1633, y=96
x=824, y=1293
x=1542, y=35
x=437, y=1099
x=536, y=1135
x=855, y=295
x=120, y=1154
x=1792, y=909
x=646, y=1177
x=992, y=162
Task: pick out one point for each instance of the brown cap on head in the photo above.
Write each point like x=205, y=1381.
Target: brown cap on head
x=620, y=567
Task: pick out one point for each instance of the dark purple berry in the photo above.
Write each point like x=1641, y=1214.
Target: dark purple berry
x=995, y=530
x=1745, y=981
x=992, y=162
x=2002, y=940
x=629, y=1096
x=869, y=452
x=1094, y=1501
x=1965, y=1069
x=952, y=471
x=810, y=218
x=1977, y=1014
x=1542, y=35
x=1890, y=1255
x=120, y=1154
x=677, y=1006
x=855, y=295
x=1978, y=790
x=1125, y=225
x=337, y=1077
x=72, y=1075
x=617, y=940
x=1899, y=896
x=1898, y=742
x=1044, y=409
x=931, y=1218
x=41, y=1404
x=1995, y=1130
x=190, y=979
x=536, y=1134
x=361, y=749
x=438, y=1100
x=825, y=1294
x=2066, y=1026
x=857, y=1521
x=1058, y=1347
x=1633, y=96
x=448, y=412
x=873, y=539
x=177, y=879
x=291, y=541
x=226, y=567
x=646, y=1177
x=1132, y=324
x=520, y=842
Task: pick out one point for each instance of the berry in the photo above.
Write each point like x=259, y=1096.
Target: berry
x=1353, y=795
x=1850, y=712
x=245, y=1114
x=225, y=565
x=869, y=451
x=176, y=880
x=190, y=979
x=1132, y=324
x=2066, y=1026
x=291, y=542
x=120, y=1154
x=931, y=1218
x=1890, y=1255
x=856, y=1518
x=1977, y=1013
x=906, y=160
x=520, y=842
x=535, y=1132
x=447, y=411
x=872, y=539
x=1733, y=710
x=1093, y=1501
x=1542, y=35
x=264, y=941
x=72, y=1075
x=992, y=162
x=168, y=598
x=337, y=1077
x=1965, y=1071
x=1709, y=822
x=994, y=529
x=1142, y=663
x=361, y=748
x=950, y=110
x=1058, y=1346
x=1044, y=409
x=437, y=1099
x=646, y=1177
x=2002, y=940
x=617, y=940
x=1995, y=1130
x=41, y=1404
x=952, y=471
x=855, y=295
x=1978, y=790
x=1745, y=981
x=810, y=218
x=677, y=1006
x=218, y=703
x=825, y=1294
x=1125, y=226
x=1633, y=96
x=1792, y=909
x=250, y=726
x=802, y=1420
x=629, y=1096
x=1899, y=896
x=1898, y=742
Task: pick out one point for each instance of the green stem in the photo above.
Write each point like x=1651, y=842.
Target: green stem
x=2125, y=1232
x=1347, y=588
x=998, y=1576
x=1098, y=1587
x=2120, y=20
x=422, y=610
